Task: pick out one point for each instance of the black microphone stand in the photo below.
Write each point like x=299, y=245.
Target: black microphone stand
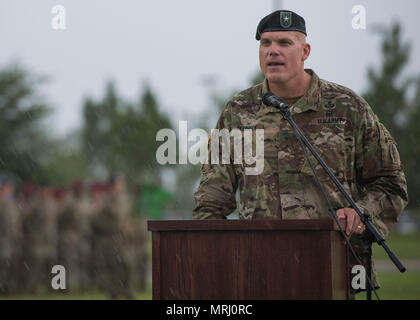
x=371, y=233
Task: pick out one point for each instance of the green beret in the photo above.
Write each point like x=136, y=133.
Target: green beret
x=281, y=20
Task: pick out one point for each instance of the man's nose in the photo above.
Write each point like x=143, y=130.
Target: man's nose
x=273, y=51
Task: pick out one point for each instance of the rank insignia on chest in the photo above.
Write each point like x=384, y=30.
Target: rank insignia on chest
x=330, y=105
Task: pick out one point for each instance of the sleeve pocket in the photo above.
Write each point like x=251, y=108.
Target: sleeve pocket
x=389, y=153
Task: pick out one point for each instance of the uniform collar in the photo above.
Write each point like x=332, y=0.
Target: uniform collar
x=311, y=100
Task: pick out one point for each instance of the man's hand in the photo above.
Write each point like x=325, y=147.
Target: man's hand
x=350, y=221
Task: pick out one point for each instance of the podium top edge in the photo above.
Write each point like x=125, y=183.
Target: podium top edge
x=225, y=225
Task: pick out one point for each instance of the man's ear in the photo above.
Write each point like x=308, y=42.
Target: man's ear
x=306, y=51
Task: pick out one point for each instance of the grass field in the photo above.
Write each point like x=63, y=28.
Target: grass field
x=404, y=246
x=394, y=286
x=91, y=295
x=397, y=286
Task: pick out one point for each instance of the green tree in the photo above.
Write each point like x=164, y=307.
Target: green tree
x=120, y=137
x=23, y=142
x=395, y=98
x=65, y=162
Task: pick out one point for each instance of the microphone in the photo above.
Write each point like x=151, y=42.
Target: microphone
x=271, y=100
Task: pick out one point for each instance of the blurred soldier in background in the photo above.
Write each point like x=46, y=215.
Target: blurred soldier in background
x=26, y=202
x=40, y=239
x=69, y=236
x=97, y=237
x=10, y=236
x=113, y=243
x=82, y=207
x=140, y=240
x=96, y=205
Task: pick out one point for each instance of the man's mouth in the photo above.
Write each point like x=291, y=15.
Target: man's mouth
x=275, y=64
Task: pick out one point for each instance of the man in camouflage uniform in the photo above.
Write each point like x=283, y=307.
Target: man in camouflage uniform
x=40, y=240
x=339, y=124
x=10, y=237
x=113, y=234
x=72, y=242
x=84, y=215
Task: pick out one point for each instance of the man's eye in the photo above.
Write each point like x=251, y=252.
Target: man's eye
x=265, y=43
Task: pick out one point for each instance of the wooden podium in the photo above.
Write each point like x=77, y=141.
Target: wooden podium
x=248, y=259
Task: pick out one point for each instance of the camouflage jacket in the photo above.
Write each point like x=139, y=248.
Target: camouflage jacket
x=345, y=132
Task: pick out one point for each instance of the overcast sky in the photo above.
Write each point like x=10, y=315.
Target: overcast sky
x=174, y=44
